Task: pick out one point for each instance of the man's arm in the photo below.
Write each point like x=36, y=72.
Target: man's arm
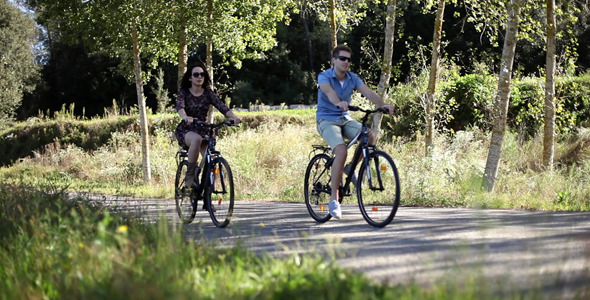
x=374, y=97
x=333, y=97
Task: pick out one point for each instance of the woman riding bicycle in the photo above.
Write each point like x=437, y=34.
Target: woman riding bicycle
x=333, y=120
x=194, y=97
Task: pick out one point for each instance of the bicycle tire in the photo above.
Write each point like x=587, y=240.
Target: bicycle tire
x=378, y=194
x=219, y=192
x=185, y=198
x=317, y=187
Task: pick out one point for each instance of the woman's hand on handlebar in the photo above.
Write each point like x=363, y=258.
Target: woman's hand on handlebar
x=188, y=119
x=387, y=108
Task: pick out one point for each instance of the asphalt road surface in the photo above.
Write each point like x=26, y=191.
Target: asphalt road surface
x=510, y=250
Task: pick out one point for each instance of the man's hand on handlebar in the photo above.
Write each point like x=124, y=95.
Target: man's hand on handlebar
x=343, y=105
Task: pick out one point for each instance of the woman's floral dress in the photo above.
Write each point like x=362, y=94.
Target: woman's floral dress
x=196, y=107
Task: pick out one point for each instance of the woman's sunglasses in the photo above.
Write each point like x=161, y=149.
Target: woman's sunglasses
x=197, y=74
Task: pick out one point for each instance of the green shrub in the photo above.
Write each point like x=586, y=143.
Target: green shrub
x=573, y=102
x=469, y=100
x=527, y=104
x=526, y=107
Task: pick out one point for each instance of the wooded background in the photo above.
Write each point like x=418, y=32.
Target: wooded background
x=97, y=55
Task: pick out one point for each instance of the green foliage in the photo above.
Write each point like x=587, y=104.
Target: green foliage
x=526, y=108
x=526, y=111
x=265, y=83
x=24, y=139
x=160, y=92
x=409, y=116
x=18, y=71
x=469, y=100
x=466, y=101
x=573, y=102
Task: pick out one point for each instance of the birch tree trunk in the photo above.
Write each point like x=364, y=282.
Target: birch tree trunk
x=430, y=105
x=333, y=33
x=182, y=54
x=503, y=96
x=382, y=89
x=143, y=123
x=209, y=55
x=549, y=130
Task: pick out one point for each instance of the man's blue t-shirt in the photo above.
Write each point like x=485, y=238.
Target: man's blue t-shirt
x=326, y=110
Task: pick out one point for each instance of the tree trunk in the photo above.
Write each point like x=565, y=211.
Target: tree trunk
x=430, y=94
x=549, y=130
x=333, y=33
x=143, y=123
x=209, y=55
x=503, y=96
x=308, y=42
x=382, y=89
x=182, y=54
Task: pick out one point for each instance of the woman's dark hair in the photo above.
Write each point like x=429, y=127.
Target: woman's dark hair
x=186, y=84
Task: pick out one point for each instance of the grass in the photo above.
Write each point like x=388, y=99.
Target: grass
x=53, y=247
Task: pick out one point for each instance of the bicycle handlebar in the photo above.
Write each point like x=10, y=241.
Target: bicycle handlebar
x=223, y=123
x=368, y=111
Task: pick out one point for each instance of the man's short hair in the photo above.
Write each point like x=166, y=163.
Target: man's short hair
x=339, y=48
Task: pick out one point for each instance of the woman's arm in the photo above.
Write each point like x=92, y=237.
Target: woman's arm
x=230, y=114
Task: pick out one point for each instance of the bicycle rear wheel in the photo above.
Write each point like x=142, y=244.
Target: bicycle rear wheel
x=378, y=189
x=219, y=192
x=317, y=188
x=186, y=198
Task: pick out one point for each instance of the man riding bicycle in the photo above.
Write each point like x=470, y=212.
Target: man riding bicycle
x=333, y=120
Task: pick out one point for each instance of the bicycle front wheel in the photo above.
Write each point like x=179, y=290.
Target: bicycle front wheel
x=378, y=189
x=186, y=198
x=219, y=192
x=317, y=188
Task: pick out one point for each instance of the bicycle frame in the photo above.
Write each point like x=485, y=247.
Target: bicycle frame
x=361, y=152
x=377, y=185
x=209, y=153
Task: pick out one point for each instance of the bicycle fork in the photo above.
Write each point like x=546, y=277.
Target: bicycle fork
x=367, y=163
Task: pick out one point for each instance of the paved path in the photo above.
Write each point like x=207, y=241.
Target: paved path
x=512, y=250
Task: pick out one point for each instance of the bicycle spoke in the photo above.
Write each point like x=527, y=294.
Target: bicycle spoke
x=184, y=197
x=317, y=188
x=378, y=191
x=220, y=193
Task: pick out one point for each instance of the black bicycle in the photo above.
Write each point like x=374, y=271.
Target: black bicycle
x=215, y=186
x=377, y=183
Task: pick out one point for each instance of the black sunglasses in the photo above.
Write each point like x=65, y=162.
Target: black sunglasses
x=197, y=74
x=344, y=58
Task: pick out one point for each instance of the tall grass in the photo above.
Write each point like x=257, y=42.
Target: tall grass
x=269, y=160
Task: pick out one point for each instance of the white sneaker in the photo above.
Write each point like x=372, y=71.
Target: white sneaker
x=335, y=209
